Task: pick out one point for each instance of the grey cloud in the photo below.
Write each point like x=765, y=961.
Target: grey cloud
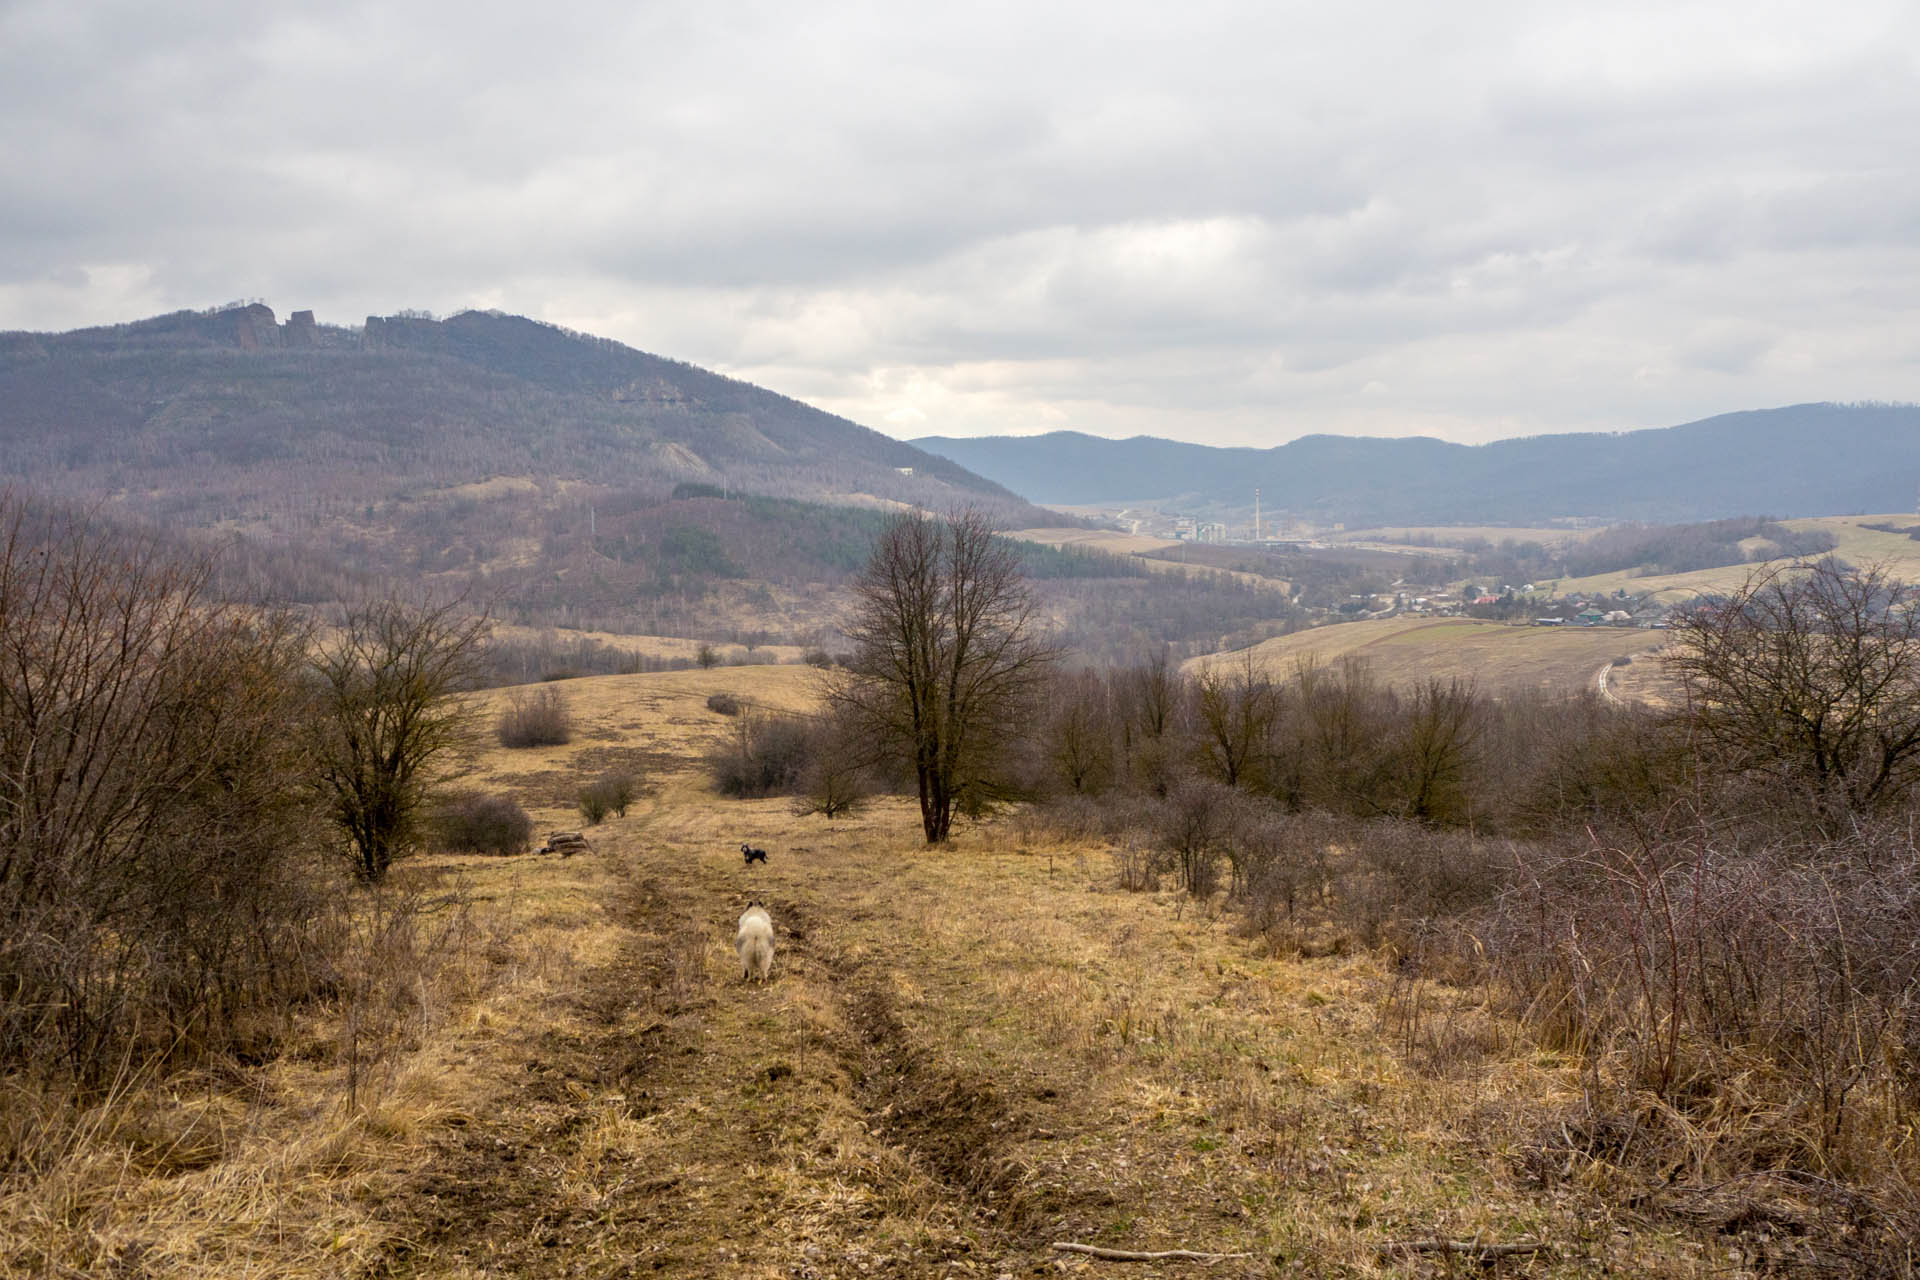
x=1206, y=219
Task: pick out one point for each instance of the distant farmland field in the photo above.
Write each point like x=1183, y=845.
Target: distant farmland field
x=1854, y=543
x=1497, y=657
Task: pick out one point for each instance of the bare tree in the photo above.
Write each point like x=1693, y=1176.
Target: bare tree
x=1147, y=703
x=389, y=718
x=1813, y=675
x=1438, y=727
x=1077, y=738
x=946, y=656
x=1237, y=714
x=1348, y=724
x=837, y=777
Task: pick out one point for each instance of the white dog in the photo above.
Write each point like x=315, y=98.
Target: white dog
x=754, y=942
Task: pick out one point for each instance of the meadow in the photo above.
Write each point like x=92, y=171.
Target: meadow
x=966, y=1055
x=1496, y=657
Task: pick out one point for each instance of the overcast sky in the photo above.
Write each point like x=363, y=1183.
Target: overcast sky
x=1229, y=223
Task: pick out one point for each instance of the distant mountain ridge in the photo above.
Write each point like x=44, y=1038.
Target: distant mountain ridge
x=1810, y=459
x=229, y=415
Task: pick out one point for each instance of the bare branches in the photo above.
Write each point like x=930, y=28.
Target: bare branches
x=1475, y=1250
x=1813, y=677
x=947, y=656
x=388, y=718
x=149, y=791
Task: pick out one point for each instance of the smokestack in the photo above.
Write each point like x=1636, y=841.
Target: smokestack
x=1256, y=515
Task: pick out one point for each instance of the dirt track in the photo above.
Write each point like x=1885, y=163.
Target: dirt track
x=723, y=1083
x=965, y=1055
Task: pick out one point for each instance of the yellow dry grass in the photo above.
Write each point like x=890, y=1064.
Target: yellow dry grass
x=1498, y=657
x=665, y=648
x=1135, y=544
x=965, y=1054
x=1120, y=544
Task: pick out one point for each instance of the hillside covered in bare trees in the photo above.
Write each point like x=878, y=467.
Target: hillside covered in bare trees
x=229, y=416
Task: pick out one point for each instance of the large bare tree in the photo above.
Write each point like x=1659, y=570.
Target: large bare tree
x=1813, y=676
x=947, y=656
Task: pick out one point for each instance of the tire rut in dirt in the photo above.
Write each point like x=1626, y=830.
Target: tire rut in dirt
x=955, y=1125
x=488, y=1196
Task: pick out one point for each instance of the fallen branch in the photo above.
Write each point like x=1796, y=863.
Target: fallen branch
x=1129, y=1255
x=1473, y=1249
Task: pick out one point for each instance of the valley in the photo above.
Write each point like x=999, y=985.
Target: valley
x=1301, y=910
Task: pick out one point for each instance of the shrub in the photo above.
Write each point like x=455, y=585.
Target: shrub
x=818, y=658
x=837, y=776
x=610, y=793
x=1763, y=994
x=161, y=888
x=723, y=703
x=1135, y=864
x=475, y=822
x=768, y=755
x=536, y=719
x=1280, y=867
x=1194, y=826
x=1397, y=873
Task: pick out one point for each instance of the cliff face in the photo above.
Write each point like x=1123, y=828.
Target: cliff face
x=254, y=327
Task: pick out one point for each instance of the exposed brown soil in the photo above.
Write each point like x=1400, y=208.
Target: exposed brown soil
x=491, y=1198
x=503, y=1195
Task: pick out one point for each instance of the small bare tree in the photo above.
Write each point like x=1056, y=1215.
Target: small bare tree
x=837, y=777
x=389, y=718
x=1076, y=744
x=947, y=656
x=1812, y=675
x=1147, y=700
x=537, y=718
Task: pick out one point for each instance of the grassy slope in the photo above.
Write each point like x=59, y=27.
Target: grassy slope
x=1855, y=544
x=964, y=1055
x=1132, y=544
x=1498, y=657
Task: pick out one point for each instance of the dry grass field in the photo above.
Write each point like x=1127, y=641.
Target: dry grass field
x=1498, y=657
x=1120, y=544
x=665, y=648
x=1133, y=544
x=1446, y=540
x=964, y=1056
x=1854, y=543
x=1449, y=536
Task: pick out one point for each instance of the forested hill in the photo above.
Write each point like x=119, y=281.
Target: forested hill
x=1811, y=459
x=231, y=415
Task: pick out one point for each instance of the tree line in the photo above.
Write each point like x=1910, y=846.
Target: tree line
x=1713, y=900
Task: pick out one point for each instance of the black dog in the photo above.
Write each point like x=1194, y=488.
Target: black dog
x=753, y=855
